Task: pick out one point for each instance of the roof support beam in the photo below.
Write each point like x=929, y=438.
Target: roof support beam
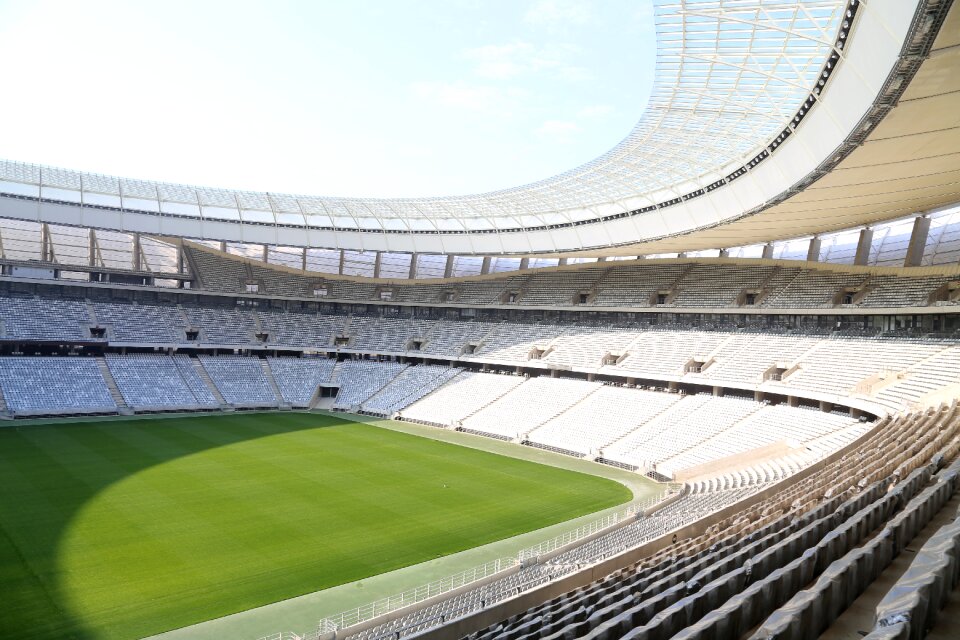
x=863, y=247
x=918, y=241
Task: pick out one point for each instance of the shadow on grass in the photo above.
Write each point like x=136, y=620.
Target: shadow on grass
x=49, y=472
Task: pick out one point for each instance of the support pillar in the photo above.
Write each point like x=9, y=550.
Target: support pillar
x=448, y=267
x=303, y=259
x=591, y=377
x=485, y=266
x=92, y=251
x=413, y=266
x=813, y=251
x=376, y=264
x=223, y=246
x=181, y=263
x=137, y=253
x=554, y=373
x=863, y=246
x=266, y=254
x=724, y=253
x=767, y=251
x=524, y=263
x=759, y=396
x=46, y=246
x=342, y=260
x=602, y=259
x=673, y=386
x=825, y=406
x=918, y=241
x=562, y=262
x=793, y=401
x=718, y=392
x=682, y=254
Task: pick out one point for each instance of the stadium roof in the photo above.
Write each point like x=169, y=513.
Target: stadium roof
x=754, y=101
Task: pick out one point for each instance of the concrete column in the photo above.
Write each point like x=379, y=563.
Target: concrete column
x=448, y=268
x=758, y=396
x=724, y=253
x=562, y=262
x=672, y=386
x=181, y=262
x=303, y=259
x=137, y=253
x=554, y=373
x=485, y=266
x=682, y=254
x=602, y=259
x=223, y=246
x=92, y=251
x=266, y=254
x=793, y=401
x=591, y=377
x=376, y=265
x=524, y=263
x=863, y=246
x=718, y=392
x=767, y=251
x=342, y=260
x=813, y=251
x=46, y=247
x=918, y=241
x=413, y=266
x=826, y=406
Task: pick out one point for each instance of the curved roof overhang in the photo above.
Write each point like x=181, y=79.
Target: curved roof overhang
x=757, y=106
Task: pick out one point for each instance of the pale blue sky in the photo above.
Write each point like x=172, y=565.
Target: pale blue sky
x=353, y=97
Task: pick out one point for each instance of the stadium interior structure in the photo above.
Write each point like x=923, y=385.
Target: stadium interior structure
x=753, y=299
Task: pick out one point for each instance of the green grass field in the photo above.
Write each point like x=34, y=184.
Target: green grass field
x=123, y=529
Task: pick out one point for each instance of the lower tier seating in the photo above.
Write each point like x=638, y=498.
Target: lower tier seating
x=779, y=566
x=47, y=385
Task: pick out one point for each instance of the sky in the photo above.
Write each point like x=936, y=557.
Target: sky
x=386, y=98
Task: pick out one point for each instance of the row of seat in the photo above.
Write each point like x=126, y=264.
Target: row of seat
x=738, y=573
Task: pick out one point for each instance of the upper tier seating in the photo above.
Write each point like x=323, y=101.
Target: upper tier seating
x=46, y=385
x=223, y=326
x=693, y=284
x=44, y=319
x=140, y=323
x=301, y=329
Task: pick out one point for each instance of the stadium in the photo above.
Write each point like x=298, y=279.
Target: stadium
x=704, y=386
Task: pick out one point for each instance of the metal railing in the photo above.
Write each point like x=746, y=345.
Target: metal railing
x=419, y=594
x=383, y=606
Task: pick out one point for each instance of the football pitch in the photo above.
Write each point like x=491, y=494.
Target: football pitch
x=127, y=528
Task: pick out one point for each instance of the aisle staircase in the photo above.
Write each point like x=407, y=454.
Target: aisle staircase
x=268, y=373
x=122, y=407
x=207, y=380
